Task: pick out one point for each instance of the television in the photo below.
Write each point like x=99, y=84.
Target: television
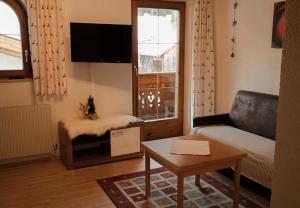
x=106, y=43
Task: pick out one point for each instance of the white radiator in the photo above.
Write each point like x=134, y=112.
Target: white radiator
x=25, y=132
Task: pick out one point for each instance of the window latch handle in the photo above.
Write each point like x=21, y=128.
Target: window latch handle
x=135, y=70
x=26, y=55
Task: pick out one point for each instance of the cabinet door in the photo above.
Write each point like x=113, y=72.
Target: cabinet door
x=125, y=141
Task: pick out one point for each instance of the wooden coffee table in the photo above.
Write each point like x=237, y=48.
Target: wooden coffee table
x=221, y=156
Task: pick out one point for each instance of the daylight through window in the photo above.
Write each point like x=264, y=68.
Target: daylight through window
x=14, y=53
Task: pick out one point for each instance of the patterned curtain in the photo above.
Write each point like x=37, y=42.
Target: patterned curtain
x=47, y=42
x=203, y=60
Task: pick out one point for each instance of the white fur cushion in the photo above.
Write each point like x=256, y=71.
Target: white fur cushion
x=76, y=127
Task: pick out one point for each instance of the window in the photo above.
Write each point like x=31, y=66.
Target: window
x=14, y=40
x=158, y=57
x=158, y=51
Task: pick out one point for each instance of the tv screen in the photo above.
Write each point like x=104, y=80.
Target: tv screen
x=100, y=43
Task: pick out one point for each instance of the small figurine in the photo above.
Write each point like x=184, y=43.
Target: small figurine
x=89, y=109
x=91, y=106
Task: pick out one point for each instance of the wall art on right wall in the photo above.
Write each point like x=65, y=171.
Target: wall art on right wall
x=278, y=25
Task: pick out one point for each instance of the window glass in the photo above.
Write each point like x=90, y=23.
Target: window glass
x=10, y=39
x=158, y=58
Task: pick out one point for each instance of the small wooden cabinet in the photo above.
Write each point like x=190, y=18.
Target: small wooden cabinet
x=125, y=141
x=88, y=150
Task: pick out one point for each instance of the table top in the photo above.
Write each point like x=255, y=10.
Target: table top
x=219, y=153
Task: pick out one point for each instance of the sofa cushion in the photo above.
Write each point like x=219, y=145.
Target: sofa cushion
x=258, y=165
x=255, y=112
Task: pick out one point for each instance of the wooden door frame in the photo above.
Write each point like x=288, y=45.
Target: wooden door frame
x=147, y=131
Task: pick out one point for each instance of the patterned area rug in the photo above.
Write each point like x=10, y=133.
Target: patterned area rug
x=127, y=191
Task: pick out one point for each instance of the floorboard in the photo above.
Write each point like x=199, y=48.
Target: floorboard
x=47, y=184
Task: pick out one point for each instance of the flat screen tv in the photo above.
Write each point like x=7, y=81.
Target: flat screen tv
x=100, y=43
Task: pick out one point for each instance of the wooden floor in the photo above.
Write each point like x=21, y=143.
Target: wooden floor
x=48, y=184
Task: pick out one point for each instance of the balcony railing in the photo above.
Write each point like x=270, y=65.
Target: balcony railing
x=156, y=96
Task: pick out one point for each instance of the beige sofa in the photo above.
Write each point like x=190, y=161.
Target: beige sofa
x=250, y=126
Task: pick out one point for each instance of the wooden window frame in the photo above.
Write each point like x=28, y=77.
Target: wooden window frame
x=20, y=10
x=173, y=126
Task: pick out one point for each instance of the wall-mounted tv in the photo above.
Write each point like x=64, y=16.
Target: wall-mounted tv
x=100, y=43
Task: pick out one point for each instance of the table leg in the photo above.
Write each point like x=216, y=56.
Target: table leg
x=197, y=180
x=180, y=186
x=147, y=174
x=236, y=197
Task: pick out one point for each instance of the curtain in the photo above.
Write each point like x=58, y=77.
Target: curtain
x=47, y=42
x=203, y=60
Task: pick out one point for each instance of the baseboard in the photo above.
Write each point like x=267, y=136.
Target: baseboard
x=24, y=160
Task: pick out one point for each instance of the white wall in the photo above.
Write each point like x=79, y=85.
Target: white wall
x=286, y=181
x=109, y=84
x=256, y=66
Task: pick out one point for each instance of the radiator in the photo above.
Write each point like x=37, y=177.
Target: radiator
x=25, y=132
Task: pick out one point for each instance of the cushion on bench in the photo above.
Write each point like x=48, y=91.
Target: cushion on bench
x=99, y=127
x=258, y=165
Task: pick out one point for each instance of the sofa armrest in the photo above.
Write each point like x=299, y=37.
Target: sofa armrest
x=212, y=120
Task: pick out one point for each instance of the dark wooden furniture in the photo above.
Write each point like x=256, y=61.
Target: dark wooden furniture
x=88, y=150
x=222, y=156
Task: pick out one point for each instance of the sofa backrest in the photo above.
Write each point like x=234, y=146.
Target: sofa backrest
x=255, y=112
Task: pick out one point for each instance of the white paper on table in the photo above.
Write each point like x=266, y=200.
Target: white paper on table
x=190, y=147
